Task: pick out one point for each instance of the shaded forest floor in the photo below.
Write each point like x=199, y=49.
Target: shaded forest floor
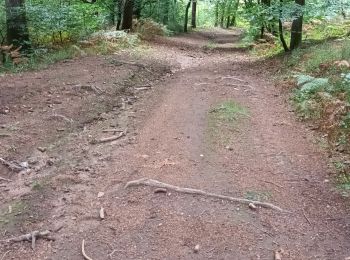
x=197, y=111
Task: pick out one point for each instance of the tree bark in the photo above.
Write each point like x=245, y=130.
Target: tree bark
x=297, y=28
x=280, y=29
x=186, y=15
x=228, y=22
x=16, y=24
x=194, y=13
x=216, y=14
x=119, y=13
x=127, y=15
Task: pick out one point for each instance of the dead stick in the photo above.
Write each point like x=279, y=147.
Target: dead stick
x=110, y=139
x=277, y=185
x=112, y=130
x=3, y=256
x=83, y=251
x=33, y=236
x=307, y=219
x=158, y=184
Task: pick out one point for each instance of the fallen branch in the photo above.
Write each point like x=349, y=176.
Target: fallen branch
x=158, y=184
x=112, y=130
x=83, y=251
x=234, y=78
x=3, y=256
x=144, y=87
x=12, y=166
x=239, y=85
x=108, y=139
x=307, y=219
x=33, y=236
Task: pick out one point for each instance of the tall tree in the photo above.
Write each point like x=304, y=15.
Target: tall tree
x=16, y=24
x=194, y=13
x=297, y=26
x=127, y=14
x=186, y=15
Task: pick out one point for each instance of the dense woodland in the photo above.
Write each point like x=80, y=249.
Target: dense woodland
x=33, y=23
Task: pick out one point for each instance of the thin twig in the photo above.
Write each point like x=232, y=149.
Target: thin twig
x=307, y=219
x=3, y=256
x=234, y=78
x=83, y=251
x=158, y=184
x=112, y=130
x=277, y=185
x=109, y=139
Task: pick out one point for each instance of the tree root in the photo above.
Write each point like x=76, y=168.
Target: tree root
x=83, y=251
x=158, y=184
x=12, y=166
x=33, y=236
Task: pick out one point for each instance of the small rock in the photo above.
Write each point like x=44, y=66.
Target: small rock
x=42, y=149
x=49, y=162
x=24, y=164
x=196, y=249
x=201, y=155
x=100, y=194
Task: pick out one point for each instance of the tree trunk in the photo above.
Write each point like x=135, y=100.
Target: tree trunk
x=228, y=22
x=280, y=29
x=127, y=15
x=222, y=18
x=119, y=13
x=216, y=14
x=186, y=15
x=16, y=24
x=297, y=28
x=138, y=9
x=194, y=13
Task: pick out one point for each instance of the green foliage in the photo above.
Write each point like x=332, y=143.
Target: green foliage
x=310, y=59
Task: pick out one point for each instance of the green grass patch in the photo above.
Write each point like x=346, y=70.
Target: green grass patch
x=10, y=214
x=228, y=111
x=224, y=120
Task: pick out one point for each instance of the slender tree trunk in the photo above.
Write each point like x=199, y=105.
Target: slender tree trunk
x=222, y=18
x=280, y=29
x=186, y=15
x=228, y=22
x=297, y=28
x=166, y=12
x=194, y=13
x=16, y=24
x=127, y=15
x=119, y=13
x=216, y=14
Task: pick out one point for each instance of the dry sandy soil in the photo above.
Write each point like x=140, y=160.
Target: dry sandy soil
x=197, y=112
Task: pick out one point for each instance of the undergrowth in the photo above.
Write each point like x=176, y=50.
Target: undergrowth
x=321, y=74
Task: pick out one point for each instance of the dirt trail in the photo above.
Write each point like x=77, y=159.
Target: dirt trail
x=212, y=121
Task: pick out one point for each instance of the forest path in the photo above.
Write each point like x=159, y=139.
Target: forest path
x=215, y=123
